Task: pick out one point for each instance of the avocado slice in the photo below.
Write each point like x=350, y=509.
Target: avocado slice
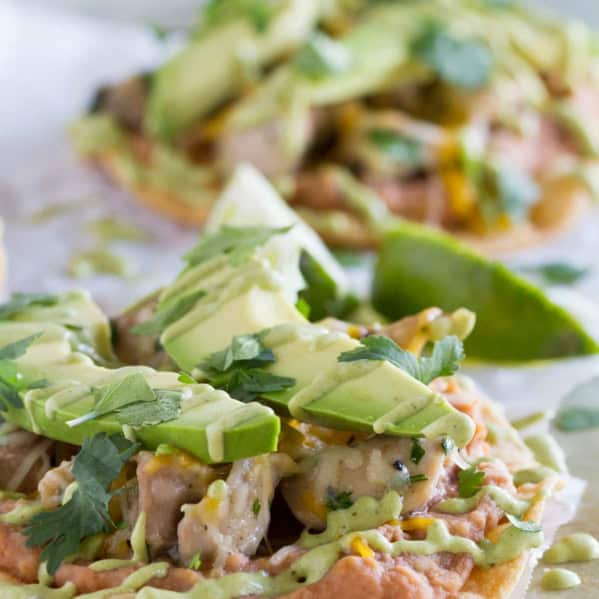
x=211, y=425
x=418, y=267
x=193, y=83
x=369, y=396
x=238, y=300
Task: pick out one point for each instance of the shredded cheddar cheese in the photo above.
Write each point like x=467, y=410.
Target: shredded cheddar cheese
x=361, y=548
x=416, y=523
x=179, y=459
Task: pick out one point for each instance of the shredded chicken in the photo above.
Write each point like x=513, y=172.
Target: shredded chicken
x=236, y=523
x=366, y=468
x=24, y=459
x=165, y=483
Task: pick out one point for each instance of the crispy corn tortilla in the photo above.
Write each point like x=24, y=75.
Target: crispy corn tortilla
x=557, y=212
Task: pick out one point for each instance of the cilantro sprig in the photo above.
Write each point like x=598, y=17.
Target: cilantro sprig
x=443, y=361
x=463, y=62
x=20, y=301
x=86, y=513
x=470, y=481
x=12, y=382
x=167, y=314
x=338, y=500
x=134, y=402
x=238, y=369
x=238, y=243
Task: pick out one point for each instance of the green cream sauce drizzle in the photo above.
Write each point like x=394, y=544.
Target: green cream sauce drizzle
x=22, y=513
x=577, y=547
x=314, y=565
x=559, y=579
x=99, y=261
x=138, y=540
x=509, y=504
x=104, y=565
x=547, y=452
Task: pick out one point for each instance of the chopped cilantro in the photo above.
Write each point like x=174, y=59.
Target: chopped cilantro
x=20, y=301
x=115, y=396
x=11, y=379
x=195, y=563
x=246, y=349
x=238, y=243
x=303, y=307
x=167, y=314
x=397, y=146
x=417, y=452
x=165, y=407
x=470, y=482
x=237, y=369
x=186, y=377
x=248, y=384
x=447, y=445
x=524, y=525
x=256, y=507
x=465, y=63
x=86, y=513
x=558, y=273
x=444, y=360
x=338, y=500
x=321, y=56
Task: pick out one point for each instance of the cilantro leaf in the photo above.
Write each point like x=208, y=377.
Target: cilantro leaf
x=447, y=445
x=11, y=380
x=195, y=563
x=558, y=273
x=444, y=360
x=20, y=301
x=237, y=369
x=256, y=507
x=61, y=531
x=466, y=63
x=338, y=500
x=398, y=146
x=321, y=56
x=15, y=350
x=115, y=396
x=470, y=482
x=166, y=407
x=238, y=243
x=169, y=313
x=417, y=453
x=524, y=525
x=247, y=349
x=248, y=384
x=186, y=377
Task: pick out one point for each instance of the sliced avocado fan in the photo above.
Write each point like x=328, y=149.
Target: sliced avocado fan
x=51, y=388
x=233, y=296
x=516, y=321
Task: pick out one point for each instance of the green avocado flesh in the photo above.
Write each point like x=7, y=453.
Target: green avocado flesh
x=211, y=425
x=418, y=268
x=365, y=396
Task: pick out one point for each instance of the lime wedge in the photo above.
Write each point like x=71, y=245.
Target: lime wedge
x=418, y=268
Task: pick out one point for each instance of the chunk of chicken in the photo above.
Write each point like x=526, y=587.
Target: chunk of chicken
x=367, y=468
x=24, y=459
x=54, y=483
x=165, y=483
x=218, y=527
